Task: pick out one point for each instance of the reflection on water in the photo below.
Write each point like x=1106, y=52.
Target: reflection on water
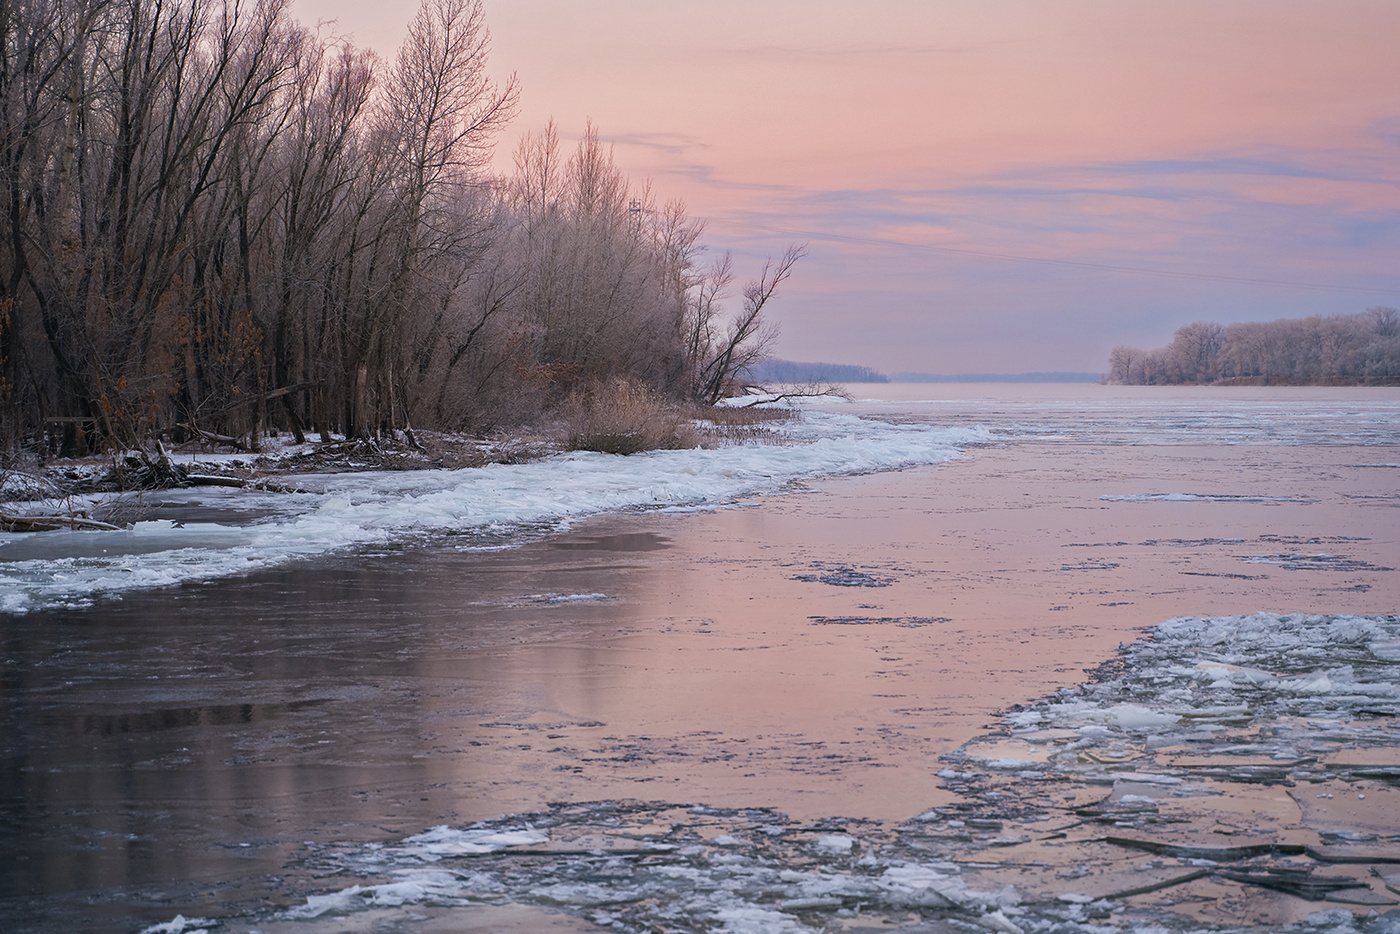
x=629, y=541
x=203, y=735
x=174, y=718
x=176, y=751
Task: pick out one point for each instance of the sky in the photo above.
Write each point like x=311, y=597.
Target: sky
x=987, y=187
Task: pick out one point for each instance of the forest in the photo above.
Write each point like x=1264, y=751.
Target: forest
x=1333, y=350
x=217, y=222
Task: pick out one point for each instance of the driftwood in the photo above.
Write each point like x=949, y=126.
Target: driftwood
x=269, y=486
x=805, y=392
x=12, y=523
x=179, y=476
x=210, y=436
x=195, y=479
x=159, y=473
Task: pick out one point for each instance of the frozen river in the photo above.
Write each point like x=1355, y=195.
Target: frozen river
x=866, y=678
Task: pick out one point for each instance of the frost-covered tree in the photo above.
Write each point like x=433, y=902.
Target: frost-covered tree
x=1328, y=350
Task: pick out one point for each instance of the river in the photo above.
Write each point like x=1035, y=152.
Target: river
x=257, y=726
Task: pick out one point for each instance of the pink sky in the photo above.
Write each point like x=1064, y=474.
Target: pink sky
x=915, y=144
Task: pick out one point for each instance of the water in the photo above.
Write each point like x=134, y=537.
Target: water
x=780, y=716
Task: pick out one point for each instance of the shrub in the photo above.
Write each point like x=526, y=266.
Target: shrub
x=624, y=417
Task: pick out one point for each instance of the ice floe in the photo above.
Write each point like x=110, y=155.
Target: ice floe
x=1069, y=789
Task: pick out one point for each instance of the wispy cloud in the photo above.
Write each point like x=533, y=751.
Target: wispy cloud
x=1075, y=174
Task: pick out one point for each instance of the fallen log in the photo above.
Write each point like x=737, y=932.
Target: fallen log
x=195, y=479
x=213, y=438
x=269, y=486
x=53, y=523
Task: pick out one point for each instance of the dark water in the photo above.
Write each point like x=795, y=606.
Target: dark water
x=181, y=751
x=162, y=744
x=176, y=751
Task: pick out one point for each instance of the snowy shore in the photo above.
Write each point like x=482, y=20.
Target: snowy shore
x=171, y=542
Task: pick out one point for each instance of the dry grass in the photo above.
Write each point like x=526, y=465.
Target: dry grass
x=729, y=416
x=624, y=417
x=725, y=425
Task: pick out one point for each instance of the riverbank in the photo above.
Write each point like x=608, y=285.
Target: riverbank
x=39, y=493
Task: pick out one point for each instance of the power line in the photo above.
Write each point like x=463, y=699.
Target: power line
x=1071, y=263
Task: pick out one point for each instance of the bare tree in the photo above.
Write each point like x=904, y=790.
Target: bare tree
x=440, y=113
x=1121, y=362
x=748, y=336
x=214, y=219
x=1197, y=347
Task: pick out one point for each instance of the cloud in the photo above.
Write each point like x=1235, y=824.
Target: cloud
x=1071, y=258
x=679, y=159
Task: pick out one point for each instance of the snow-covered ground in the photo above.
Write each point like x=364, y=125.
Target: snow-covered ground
x=259, y=530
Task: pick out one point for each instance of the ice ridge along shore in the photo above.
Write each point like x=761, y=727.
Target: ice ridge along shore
x=55, y=569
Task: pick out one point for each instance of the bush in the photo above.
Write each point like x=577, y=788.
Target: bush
x=624, y=417
x=722, y=425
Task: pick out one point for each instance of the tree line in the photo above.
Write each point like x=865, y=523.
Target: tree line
x=215, y=220
x=1357, y=349
x=791, y=371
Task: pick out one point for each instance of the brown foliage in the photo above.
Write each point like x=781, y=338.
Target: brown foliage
x=622, y=416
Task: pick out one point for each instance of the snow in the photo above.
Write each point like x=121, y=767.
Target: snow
x=346, y=511
x=181, y=925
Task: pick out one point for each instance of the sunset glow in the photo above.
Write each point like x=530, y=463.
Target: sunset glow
x=1157, y=154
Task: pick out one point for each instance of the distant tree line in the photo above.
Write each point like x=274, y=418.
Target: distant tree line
x=789, y=371
x=1358, y=349
x=214, y=218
